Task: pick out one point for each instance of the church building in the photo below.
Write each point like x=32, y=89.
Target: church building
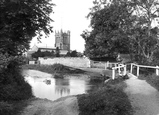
x=62, y=40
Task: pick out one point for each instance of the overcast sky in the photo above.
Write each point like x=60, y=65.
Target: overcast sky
x=69, y=15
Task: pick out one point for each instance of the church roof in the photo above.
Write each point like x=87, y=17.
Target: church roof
x=45, y=46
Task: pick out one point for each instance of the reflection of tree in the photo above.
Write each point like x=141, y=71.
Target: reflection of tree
x=62, y=86
x=94, y=85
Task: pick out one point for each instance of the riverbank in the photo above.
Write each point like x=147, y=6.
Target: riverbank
x=108, y=99
x=61, y=71
x=53, y=69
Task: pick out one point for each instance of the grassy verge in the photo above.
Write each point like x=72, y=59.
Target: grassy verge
x=109, y=100
x=52, y=69
x=152, y=79
x=148, y=75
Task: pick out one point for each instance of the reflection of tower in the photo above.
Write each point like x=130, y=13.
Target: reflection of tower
x=62, y=40
x=62, y=87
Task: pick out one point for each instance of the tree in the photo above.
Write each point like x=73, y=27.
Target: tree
x=20, y=21
x=146, y=38
x=74, y=53
x=124, y=26
x=108, y=29
x=43, y=54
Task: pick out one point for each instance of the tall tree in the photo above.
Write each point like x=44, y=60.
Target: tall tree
x=145, y=32
x=20, y=21
x=109, y=26
x=123, y=26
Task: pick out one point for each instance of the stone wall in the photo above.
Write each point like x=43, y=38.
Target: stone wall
x=73, y=62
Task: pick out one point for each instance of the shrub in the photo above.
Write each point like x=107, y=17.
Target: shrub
x=12, y=83
x=109, y=100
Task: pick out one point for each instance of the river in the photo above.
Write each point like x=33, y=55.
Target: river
x=44, y=85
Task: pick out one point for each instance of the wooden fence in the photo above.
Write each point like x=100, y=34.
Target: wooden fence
x=143, y=66
x=117, y=68
x=121, y=69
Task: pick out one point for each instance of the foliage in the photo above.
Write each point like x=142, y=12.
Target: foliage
x=20, y=21
x=43, y=54
x=109, y=100
x=73, y=53
x=123, y=27
x=108, y=31
x=12, y=83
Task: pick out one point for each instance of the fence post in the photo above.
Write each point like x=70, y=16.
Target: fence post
x=115, y=64
x=119, y=68
x=137, y=70
x=113, y=73
x=125, y=70
x=107, y=64
x=157, y=70
x=131, y=68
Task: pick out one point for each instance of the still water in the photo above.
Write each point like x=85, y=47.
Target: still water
x=44, y=85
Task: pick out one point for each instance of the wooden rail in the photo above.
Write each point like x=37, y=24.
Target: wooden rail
x=119, y=70
x=143, y=66
x=117, y=66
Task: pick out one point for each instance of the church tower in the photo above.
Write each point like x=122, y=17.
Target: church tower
x=62, y=40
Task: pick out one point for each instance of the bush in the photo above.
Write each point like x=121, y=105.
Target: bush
x=109, y=100
x=12, y=83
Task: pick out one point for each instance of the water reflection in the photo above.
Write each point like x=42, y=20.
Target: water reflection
x=62, y=87
x=48, y=82
x=51, y=88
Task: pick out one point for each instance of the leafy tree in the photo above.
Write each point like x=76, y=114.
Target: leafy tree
x=123, y=26
x=68, y=54
x=144, y=33
x=20, y=21
x=43, y=54
x=74, y=53
x=108, y=29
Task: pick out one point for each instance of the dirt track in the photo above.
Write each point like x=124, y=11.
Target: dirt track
x=144, y=98
x=64, y=106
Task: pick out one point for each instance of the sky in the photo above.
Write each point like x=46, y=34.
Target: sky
x=69, y=15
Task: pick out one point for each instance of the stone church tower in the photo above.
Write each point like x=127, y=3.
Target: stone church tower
x=62, y=40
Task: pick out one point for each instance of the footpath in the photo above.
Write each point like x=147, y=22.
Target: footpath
x=144, y=98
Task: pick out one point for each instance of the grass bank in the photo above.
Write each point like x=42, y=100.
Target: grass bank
x=52, y=69
x=149, y=75
x=152, y=79
x=108, y=100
